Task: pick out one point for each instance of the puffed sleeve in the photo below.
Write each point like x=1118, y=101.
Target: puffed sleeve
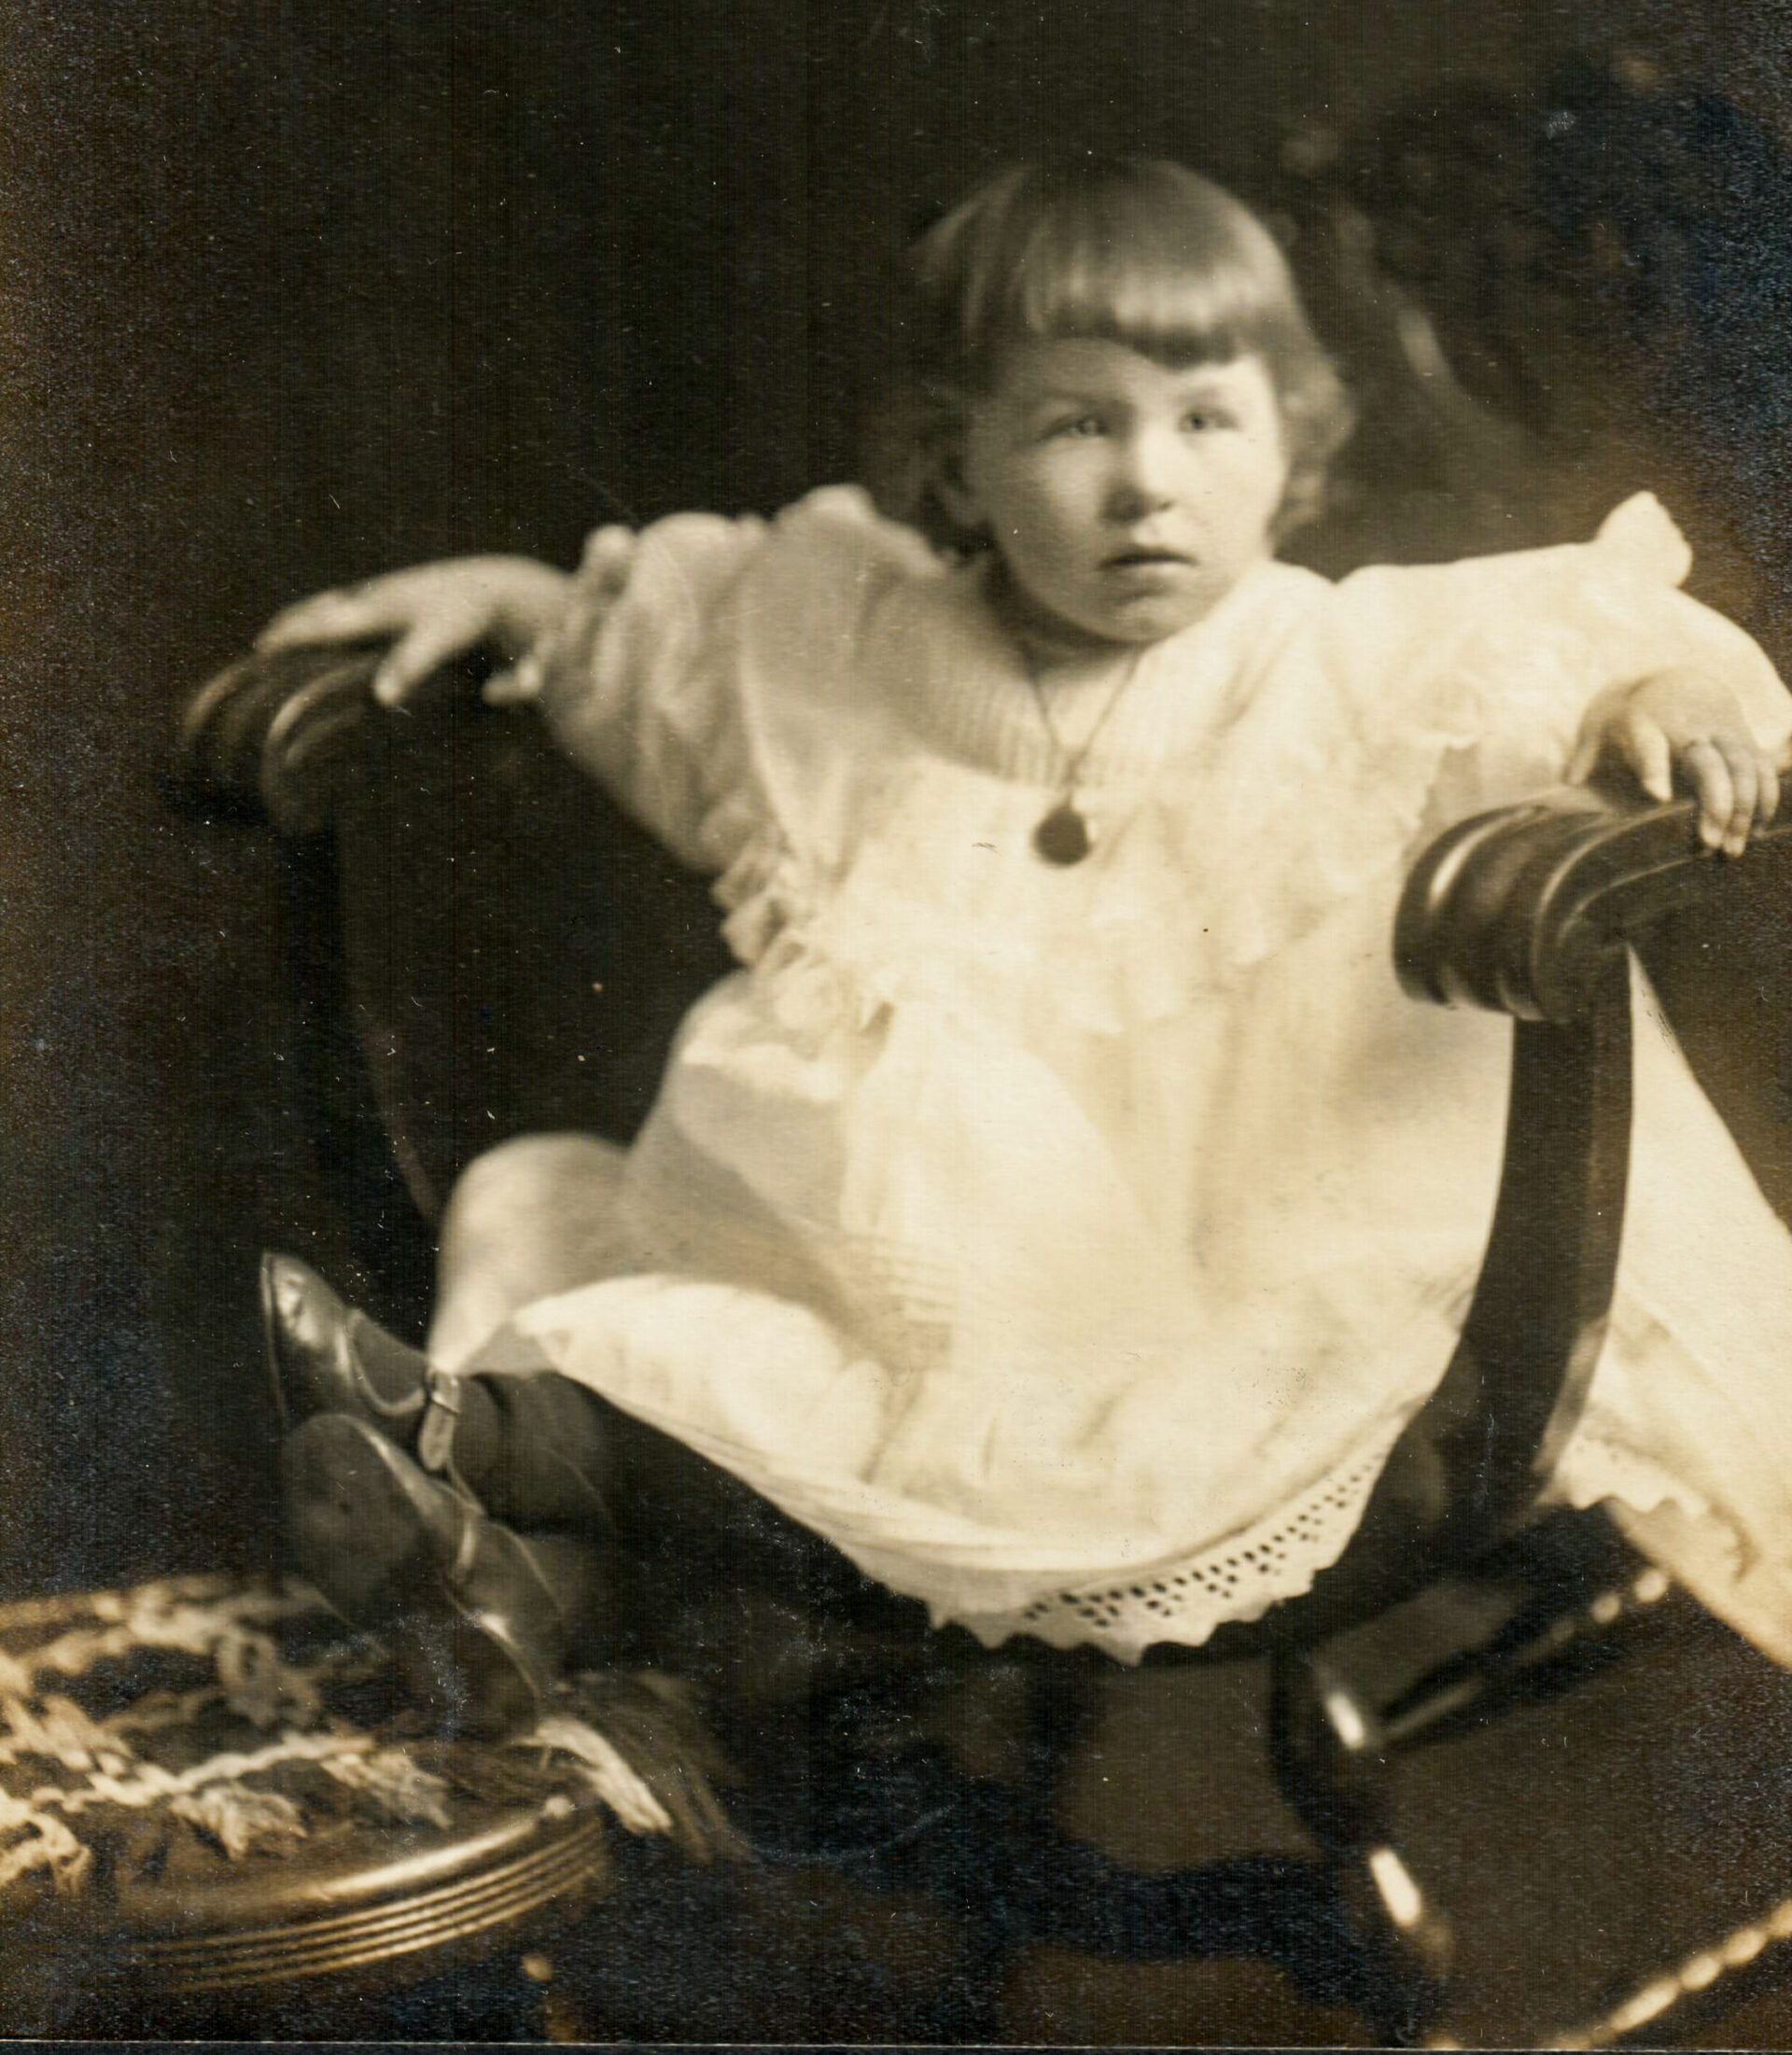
x=647, y=681
x=634, y=681
x=1496, y=660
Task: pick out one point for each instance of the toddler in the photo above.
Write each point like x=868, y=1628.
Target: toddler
x=1060, y=1211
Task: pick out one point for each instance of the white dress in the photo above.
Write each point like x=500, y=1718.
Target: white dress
x=1069, y=1245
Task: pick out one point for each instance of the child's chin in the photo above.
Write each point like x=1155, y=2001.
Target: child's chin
x=1129, y=622
x=1153, y=619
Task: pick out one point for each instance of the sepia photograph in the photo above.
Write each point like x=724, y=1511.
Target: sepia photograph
x=896, y=1023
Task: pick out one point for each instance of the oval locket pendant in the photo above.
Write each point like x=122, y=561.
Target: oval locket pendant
x=1063, y=836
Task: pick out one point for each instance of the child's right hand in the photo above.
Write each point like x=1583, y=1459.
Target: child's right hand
x=434, y=613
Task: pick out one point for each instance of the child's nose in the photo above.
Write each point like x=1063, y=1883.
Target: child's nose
x=1146, y=475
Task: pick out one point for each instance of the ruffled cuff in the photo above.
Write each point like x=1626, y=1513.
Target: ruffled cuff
x=1642, y=549
x=558, y=669
x=1579, y=621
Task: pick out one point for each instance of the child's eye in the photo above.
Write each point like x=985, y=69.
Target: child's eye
x=1082, y=424
x=1200, y=420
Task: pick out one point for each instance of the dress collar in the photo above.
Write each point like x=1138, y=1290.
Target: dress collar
x=966, y=690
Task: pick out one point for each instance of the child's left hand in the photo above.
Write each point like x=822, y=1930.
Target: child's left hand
x=1682, y=721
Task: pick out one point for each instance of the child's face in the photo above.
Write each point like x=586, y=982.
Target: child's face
x=1126, y=498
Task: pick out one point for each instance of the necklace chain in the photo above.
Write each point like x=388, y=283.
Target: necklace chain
x=1073, y=760
x=1062, y=837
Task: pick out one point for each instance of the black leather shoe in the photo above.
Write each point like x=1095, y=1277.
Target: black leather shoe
x=483, y=1616
x=316, y=1347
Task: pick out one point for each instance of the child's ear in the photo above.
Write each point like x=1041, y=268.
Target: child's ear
x=962, y=505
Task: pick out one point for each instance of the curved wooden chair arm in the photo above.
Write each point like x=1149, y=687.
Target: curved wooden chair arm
x=1529, y=911
x=274, y=734
x=1520, y=910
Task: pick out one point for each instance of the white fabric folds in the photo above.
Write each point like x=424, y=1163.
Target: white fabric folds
x=1068, y=1245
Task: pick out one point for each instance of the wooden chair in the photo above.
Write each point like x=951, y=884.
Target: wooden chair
x=482, y=945
x=443, y=1010
x=506, y=953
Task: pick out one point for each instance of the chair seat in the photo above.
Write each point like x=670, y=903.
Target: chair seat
x=208, y=1787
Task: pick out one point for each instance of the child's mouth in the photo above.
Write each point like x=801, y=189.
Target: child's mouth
x=1147, y=560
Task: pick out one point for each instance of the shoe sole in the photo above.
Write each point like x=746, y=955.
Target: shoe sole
x=359, y=1520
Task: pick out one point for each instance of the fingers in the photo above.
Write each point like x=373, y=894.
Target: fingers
x=425, y=647
x=1731, y=805
x=349, y=615
x=431, y=614
x=1735, y=784
x=1708, y=773
x=1584, y=761
x=515, y=687
x=1649, y=754
x=1742, y=761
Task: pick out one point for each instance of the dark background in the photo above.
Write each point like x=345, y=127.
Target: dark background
x=295, y=292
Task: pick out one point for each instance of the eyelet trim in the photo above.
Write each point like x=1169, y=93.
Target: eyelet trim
x=1186, y=1600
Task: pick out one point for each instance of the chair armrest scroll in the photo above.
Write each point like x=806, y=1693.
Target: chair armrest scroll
x=1518, y=910
x=1528, y=911
x=271, y=735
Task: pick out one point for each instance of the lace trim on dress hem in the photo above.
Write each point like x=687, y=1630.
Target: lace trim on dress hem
x=1187, y=1600
x=1599, y=1468
x=1278, y=1558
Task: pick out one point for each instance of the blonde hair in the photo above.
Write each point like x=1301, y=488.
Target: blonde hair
x=1134, y=250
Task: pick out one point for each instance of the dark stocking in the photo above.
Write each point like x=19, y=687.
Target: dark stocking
x=713, y=1577
x=543, y=1452
x=535, y=1452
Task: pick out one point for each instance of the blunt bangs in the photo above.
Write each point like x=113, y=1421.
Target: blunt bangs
x=1134, y=251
